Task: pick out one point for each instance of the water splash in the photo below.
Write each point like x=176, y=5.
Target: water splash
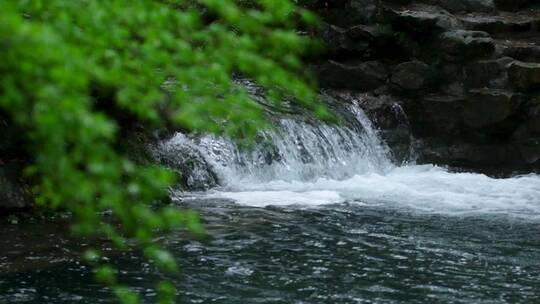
x=295, y=150
x=305, y=163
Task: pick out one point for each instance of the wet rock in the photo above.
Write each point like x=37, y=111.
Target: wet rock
x=460, y=153
x=524, y=76
x=501, y=22
x=362, y=76
x=488, y=73
x=455, y=6
x=523, y=50
x=194, y=171
x=473, y=100
x=466, y=45
x=14, y=191
x=486, y=107
x=421, y=19
x=410, y=76
x=435, y=115
x=387, y=114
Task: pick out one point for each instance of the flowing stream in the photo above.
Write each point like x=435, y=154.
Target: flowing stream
x=303, y=164
x=316, y=213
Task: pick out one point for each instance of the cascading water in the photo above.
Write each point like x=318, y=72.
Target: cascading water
x=380, y=232
x=306, y=163
x=299, y=151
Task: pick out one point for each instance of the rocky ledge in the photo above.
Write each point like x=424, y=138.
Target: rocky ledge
x=466, y=73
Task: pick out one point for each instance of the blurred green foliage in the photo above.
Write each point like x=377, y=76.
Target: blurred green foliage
x=75, y=73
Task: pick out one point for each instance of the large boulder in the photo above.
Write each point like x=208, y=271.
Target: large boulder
x=487, y=107
x=463, y=45
x=524, y=76
x=410, y=76
x=181, y=155
x=364, y=76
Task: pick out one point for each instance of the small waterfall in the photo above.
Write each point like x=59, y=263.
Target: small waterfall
x=307, y=163
x=295, y=150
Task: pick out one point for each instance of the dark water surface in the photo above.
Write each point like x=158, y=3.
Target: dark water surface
x=346, y=253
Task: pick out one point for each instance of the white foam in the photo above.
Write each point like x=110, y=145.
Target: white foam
x=427, y=188
x=277, y=198
x=303, y=164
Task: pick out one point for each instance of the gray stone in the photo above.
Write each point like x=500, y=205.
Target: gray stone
x=502, y=23
x=488, y=73
x=485, y=107
x=524, y=76
x=435, y=115
x=410, y=76
x=180, y=155
x=466, y=45
x=422, y=19
x=462, y=154
x=522, y=50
